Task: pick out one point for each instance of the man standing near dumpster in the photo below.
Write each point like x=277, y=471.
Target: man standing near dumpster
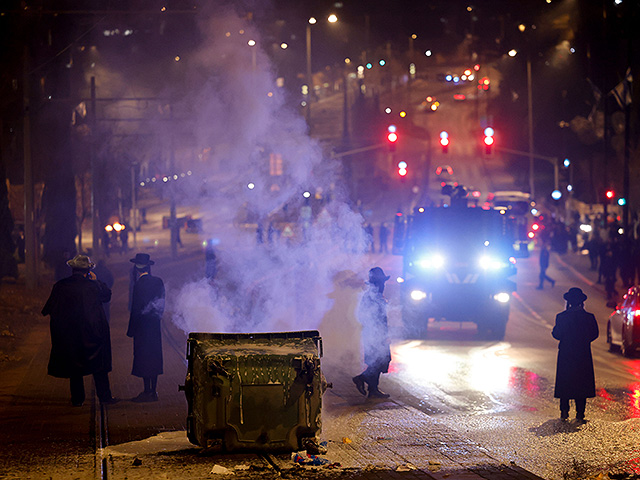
x=575, y=379
x=80, y=336
x=372, y=314
x=147, y=307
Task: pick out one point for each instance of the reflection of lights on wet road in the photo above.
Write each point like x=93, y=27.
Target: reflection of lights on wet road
x=484, y=369
x=633, y=366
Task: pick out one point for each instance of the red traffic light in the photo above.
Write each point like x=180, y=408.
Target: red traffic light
x=488, y=139
x=610, y=194
x=444, y=141
x=402, y=168
x=392, y=137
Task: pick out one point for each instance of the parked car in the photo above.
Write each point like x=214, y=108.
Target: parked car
x=623, y=327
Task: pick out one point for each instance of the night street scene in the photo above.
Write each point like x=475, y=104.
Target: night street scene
x=330, y=239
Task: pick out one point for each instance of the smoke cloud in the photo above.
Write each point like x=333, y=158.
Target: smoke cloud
x=288, y=283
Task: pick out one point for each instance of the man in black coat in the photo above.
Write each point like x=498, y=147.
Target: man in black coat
x=575, y=379
x=80, y=336
x=147, y=307
x=372, y=314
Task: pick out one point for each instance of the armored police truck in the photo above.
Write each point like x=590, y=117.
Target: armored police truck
x=457, y=265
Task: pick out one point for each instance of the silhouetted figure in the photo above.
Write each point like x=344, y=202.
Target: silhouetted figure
x=625, y=262
x=124, y=240
x=259, y=234
x=106, y=242
x=593, y=247
x=80, y=336
x=383, y=235
x=608, y=267
x=575, y=329
x=368, y=230
x=147, y=308
x=544, y=264
x=210, y=261
x=271, y=232
x=372, y=314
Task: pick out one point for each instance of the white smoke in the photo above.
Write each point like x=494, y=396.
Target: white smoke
x=240, y=113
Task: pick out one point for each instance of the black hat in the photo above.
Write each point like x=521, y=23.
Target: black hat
x=574, y=296
x=142, y=259
x=376, y=274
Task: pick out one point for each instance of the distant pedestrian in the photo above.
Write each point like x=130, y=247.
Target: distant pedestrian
x=106, y=242
x=372, y=314
x=383, y=235
x=608, y=267
x=593, y=247
x=544, y=264
x=210, y=261
x=124, y=239
x=259, y=233
x=147, y=308
x=368, y=230
x=80, y=336
x=105, y=276
x=575, y=328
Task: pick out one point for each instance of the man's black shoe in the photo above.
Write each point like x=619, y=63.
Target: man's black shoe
x=359, y=384
x=109, y=401
x=378, y=394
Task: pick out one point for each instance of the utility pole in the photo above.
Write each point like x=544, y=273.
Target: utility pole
x=95, y=221
x=30, y=241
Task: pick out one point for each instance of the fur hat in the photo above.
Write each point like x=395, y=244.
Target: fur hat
x=81, y=262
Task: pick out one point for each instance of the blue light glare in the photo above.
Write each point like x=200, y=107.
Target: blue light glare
x=448, y=78
x=556, y=194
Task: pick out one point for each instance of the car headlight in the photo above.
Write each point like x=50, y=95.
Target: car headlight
x=432, y=261
x=490, y=263
x=418, y=295
x=502, y=297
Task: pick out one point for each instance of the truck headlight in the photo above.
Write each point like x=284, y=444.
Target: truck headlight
x=502, y=297
x=491, y=263
x=432, y=261
x=418, y=295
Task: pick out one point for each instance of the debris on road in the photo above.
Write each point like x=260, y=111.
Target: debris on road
x=220, y=470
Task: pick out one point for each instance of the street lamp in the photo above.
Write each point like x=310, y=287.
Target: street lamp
x=312, y=21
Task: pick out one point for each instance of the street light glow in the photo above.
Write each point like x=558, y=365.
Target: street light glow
x=428, y=53
x=284, y=46
x=332, y=18
x=513, y=52
x=251, y=43
x=312, y=20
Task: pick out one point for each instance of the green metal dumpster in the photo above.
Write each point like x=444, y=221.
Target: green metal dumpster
x=254, y=391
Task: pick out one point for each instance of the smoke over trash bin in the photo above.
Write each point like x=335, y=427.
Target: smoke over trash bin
x=254, y=391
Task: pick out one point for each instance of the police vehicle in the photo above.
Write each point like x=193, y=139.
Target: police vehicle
x=457, y=264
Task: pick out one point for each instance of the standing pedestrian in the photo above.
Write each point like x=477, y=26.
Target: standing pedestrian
x=609, y=267
x=80, y=336
x=383, y=235
x=372, y=314
x=147, y=307
x=210, y=261
x=575, y=328
x=124, y=239
x=544, y=264
x=368, y=230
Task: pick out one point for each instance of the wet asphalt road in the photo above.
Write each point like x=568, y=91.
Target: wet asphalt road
x=447, y=390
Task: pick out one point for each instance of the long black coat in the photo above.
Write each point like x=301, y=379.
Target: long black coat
x=575, y=329
x=372, y=314
x=147, y=307
x=80, y=337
